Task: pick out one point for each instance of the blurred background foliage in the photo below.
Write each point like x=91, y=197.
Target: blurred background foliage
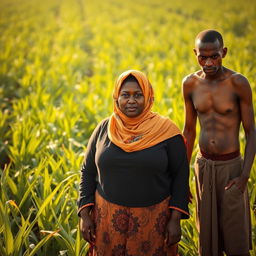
x=59, y=60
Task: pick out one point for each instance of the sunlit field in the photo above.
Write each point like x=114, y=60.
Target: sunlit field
x=59, y=60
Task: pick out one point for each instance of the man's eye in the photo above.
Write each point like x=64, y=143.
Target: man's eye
x=214, y=56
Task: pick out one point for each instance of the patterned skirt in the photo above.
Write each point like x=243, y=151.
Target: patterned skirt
x=126, y=231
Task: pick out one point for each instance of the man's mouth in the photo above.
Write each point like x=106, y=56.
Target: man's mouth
x=209, y=70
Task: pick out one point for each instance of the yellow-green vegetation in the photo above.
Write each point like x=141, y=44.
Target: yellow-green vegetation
x=58, y=63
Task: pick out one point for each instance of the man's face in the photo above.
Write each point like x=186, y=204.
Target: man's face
x=209, y=56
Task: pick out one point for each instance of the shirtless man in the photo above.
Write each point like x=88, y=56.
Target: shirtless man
x=222, y=100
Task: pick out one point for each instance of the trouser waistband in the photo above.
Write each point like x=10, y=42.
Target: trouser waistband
x=220, y=157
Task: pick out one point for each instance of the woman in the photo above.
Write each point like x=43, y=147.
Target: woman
x=134, y=182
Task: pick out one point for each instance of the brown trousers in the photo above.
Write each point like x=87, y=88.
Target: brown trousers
x=223, y=216
x=126, y=231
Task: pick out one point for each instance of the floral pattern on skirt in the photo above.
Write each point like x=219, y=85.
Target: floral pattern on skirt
x=128, y=231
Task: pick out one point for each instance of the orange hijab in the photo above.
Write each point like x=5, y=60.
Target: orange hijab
x=144, y=131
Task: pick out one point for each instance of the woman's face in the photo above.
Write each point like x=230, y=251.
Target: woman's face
x=131, y=99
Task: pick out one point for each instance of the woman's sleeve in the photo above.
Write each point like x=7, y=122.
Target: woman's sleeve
x=179, y=168
x=88, y=184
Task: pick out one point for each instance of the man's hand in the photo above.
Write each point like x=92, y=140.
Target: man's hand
x=173, y=229
x=240, y=182
x=87, y=226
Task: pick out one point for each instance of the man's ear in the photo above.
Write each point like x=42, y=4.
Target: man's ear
x=224, y=52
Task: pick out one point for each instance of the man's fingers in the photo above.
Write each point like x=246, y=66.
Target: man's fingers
x=230, y=184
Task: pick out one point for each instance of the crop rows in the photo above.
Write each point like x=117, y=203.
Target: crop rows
x=58, y=62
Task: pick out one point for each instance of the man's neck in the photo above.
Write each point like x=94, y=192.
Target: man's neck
x=219, y=75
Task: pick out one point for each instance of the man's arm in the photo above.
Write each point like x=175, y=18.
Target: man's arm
x=190, y=116
x=244, y=93
x=247, y=117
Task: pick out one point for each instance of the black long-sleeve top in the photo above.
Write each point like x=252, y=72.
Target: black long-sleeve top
x=135, y=179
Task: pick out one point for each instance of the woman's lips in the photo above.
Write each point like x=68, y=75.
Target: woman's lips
x=131, y=108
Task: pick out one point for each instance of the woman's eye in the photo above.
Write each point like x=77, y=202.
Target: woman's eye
x=138, y=95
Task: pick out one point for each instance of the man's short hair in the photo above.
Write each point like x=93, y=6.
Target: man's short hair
x=209, y=36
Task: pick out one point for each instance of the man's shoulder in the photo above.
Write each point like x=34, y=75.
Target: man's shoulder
x=190, y=82
x=240, y=83
x=235, y=77
x=239, y=80
x=191, y=78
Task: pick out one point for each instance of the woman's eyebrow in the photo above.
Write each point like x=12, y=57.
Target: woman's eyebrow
x=129, y=91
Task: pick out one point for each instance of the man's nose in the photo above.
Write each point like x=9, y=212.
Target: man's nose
x=208, y=62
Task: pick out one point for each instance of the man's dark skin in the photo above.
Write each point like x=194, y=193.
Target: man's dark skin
x=221, y=99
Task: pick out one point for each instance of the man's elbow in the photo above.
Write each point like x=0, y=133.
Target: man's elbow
x=250, y=135
x=189, y=132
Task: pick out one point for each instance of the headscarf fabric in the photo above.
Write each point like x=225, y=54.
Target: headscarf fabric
x=143, y=131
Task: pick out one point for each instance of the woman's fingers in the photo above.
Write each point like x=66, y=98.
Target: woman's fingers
x=87, y=229
x=172, y=239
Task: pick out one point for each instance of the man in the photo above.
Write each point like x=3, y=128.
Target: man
x=222, y=100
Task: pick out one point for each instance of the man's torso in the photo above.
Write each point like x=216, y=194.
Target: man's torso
x=217, y=105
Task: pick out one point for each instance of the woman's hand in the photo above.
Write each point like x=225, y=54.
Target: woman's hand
x=173, y=229
x=87, y=226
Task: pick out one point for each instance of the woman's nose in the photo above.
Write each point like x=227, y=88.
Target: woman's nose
x=131, y=99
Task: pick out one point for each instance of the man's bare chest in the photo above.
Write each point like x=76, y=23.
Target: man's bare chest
x=220, y=99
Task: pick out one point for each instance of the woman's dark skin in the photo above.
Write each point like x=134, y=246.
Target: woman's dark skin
x=172, y=234
x=131, y=102
x=87, y=226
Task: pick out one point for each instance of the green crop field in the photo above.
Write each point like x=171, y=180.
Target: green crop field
x=59, y=60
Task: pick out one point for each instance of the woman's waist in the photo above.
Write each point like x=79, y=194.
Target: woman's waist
x=132, y=196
